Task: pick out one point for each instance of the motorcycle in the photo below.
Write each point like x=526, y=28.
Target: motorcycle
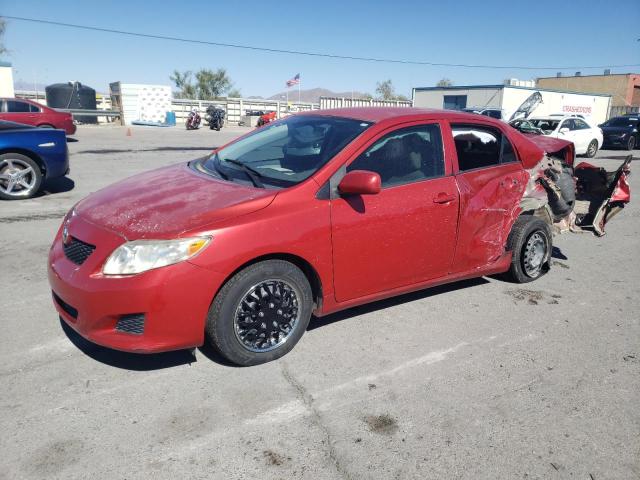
x=193, y=120
x=215, y=117
x=266, y=118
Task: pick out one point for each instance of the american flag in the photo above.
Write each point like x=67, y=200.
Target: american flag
x=294, y=81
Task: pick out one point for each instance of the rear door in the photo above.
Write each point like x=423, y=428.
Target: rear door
x=491, y=182
x=406, y=233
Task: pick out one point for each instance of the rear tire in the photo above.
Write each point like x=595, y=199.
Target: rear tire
x=260, y=313
x=530, y=241
x=592, y=149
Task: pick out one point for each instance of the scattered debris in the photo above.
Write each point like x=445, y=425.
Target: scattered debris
x=372, y=386
x=629, y=358
x=531, y=296
x=560, y=264
x=358, y=440
x=384, y=424
x=555, y=466
x=274, y=458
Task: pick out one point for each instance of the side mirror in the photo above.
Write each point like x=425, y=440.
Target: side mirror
x=360, y=182
x=564, y=130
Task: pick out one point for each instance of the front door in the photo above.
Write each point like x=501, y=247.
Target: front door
x=406, y=233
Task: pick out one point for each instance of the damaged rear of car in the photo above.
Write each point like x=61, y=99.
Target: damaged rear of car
x=570, y=197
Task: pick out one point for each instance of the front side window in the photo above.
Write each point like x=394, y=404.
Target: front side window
x=284, y=153
x=568, y=124
x=17, y=107
x=480, y=147
x=404, y=156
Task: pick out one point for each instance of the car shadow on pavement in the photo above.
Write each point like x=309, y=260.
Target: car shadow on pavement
x=57, y=185
x=557, y=253
x=317, y=322
x=128, y=361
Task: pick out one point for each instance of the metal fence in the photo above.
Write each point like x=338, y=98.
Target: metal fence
x=235, y=108
x=341, y=102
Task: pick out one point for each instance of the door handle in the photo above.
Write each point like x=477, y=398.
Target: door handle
x=443, y=197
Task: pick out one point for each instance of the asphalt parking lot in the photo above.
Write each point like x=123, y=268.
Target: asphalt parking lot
x=480, y=379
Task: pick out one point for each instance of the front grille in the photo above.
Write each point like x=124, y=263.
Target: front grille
x=68, y=309
x=78, y=251
x=132, y=323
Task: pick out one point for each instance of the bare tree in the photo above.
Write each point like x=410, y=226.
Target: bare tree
x=386, y=91
x=3, y=27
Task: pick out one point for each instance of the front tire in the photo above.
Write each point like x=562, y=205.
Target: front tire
x=530, y=241
x=631, y=143
x=260, y=313
x=20, y=176
x=592, y=149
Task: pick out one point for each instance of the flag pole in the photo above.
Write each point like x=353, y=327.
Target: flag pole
x=299, y=81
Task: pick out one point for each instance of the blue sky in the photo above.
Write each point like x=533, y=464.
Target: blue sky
x=538, y=33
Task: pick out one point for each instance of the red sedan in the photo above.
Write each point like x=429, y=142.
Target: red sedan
x=312, y=214
x=27, y=112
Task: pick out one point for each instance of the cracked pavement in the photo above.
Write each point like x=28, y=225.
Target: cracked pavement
x=478, y=379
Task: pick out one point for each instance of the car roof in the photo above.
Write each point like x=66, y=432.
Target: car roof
x=379, y=114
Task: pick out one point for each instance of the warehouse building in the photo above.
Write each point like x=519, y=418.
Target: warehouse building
x=624, y=88
x=509, y=96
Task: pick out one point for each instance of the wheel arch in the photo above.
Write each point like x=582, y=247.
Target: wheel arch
x=27, y=153
x=307, y=268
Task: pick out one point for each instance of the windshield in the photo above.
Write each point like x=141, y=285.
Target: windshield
x=621, y=122
x=544, y=124
x=286, y=152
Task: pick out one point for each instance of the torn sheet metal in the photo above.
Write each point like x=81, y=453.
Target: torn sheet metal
x=583, y=198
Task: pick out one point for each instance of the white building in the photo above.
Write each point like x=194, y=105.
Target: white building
x=509, y=97
x=6, y=80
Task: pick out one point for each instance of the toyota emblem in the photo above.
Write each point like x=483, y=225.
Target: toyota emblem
x=65, y=235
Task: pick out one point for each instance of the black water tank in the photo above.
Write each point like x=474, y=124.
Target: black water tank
x=72, y=95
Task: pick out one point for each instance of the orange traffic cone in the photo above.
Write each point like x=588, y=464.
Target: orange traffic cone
x=128, y=132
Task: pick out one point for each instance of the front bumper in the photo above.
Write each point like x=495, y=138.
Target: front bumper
x=615, y=141
x=174, y=300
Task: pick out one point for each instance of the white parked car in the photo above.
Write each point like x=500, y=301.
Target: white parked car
x=586, y=137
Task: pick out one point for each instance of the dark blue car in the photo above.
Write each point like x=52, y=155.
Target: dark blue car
x=622, y=132
x=28, y=157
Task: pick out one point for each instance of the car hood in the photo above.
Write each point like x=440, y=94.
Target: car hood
x=166, y=202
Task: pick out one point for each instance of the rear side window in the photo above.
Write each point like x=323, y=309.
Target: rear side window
x=481, y=147
x=17, y=107
x=404, y=156
x=580, y=124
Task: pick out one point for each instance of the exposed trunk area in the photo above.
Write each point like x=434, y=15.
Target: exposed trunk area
x=580, y=198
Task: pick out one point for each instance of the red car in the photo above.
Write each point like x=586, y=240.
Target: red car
x=24, y=111
x=312, y=214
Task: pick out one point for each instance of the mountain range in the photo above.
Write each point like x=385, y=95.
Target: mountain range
x=313, y=95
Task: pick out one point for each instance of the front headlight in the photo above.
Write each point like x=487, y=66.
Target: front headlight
x=142, y=255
